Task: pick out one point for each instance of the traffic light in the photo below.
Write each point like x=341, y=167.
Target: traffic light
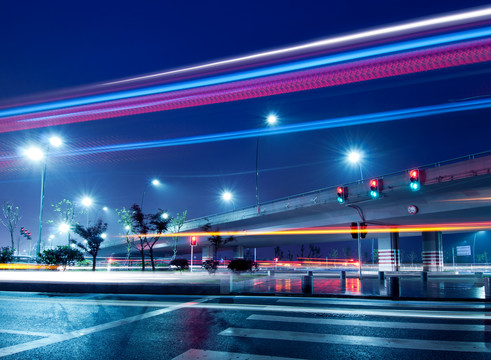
x=414, y=182
x=342, y=194
x=354, y=230
x=363, y=230
x=25, y=233
x=194, y=241
x=360, y=228
x=374, y=188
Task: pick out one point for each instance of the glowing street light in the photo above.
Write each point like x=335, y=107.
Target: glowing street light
x=36, y=154
x=87, y=203
x=64, y=228
x=355, y=157
x=105, y=208
x=271, y=120
x=227, y=196
x=103, y=235
x=127, y=228
x=155, y=183
x=165, y=216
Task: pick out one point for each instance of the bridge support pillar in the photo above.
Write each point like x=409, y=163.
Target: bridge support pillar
x=388, y=252
x=207, y=253
x=238, y=252
x=432, y=251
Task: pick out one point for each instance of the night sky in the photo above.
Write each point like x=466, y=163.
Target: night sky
x=55, y=45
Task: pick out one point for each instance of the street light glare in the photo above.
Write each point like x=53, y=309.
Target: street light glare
x=227, y=196
x=34, y=153
x=155, y=182
x=104, y=208
x=55, y=141
x=165, y=216
x=104, y=235
x=86, y=201
x=272, y=119
x=63, y=228
x=354, y=157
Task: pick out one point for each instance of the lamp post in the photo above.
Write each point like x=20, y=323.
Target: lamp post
x=154, y=182
x=87, y=203
x=355, y=157
x=271, y=120
x=37, y=154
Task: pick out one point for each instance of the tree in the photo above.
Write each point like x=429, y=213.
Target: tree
x=61, y=256
x=93, y=238
x=313, y=251
x=6, y=255
x=175, y=225
x=148, y=228
x=67, y=211
x=180, y=264
x=483, y=257
x=278, y=253
x=302, y=249
x=125, y=220
x=289, y=256
x=158, y=225
x=11, y=219
x=412, y=257
x=347, y=252
x=215, y=239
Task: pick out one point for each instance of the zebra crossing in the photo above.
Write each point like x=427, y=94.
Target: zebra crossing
x=417, y=326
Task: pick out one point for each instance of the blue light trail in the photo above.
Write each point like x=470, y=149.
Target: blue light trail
x=363, y=119
x=278, y=69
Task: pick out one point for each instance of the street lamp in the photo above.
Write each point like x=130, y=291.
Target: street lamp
x=227, y=196
x=36, y=154
x=87, y=203
x=154, y=182
x=355, y=157
x=271, y=120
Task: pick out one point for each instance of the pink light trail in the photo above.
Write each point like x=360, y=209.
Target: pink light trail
x=351, y=72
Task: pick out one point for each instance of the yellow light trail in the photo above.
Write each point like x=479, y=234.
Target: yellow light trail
x=469, y=226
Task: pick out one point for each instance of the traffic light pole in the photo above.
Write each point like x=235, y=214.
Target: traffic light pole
x=359, y=249
x=43, y=181
x=191, y=266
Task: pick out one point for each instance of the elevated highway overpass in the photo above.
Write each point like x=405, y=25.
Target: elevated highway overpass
x=455, y=191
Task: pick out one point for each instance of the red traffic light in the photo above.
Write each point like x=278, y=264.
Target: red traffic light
x=373, y=183
x=340, y=190
x=194, y=241
x=413, y=174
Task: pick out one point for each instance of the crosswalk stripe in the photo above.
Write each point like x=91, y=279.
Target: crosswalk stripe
x=195, y=354
x=460, y=346
x=378, y=324
x=28, y=333
x=383, y=303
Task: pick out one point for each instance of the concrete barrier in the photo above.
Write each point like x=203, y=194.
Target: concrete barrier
x=307, y=284
x=342, y=275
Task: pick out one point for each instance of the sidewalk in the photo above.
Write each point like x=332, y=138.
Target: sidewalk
x=441, y=286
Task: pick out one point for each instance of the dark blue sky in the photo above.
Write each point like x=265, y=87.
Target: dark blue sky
x=58, y=44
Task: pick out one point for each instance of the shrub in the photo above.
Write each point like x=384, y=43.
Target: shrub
x=210, y=266
x=6, y=254
x=61, y=256
x=240, y=265
x=180, y=264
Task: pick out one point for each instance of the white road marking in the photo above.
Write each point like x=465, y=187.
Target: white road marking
x=28, y=333
x=461, y=346
x=378, y=324
x=350, y=302
x=15, y=349
x=195, y=354
x=93, y=302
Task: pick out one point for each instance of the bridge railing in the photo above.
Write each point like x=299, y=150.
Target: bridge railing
x=305, y=199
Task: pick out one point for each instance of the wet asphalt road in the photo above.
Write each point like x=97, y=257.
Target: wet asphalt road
x=98, y=326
